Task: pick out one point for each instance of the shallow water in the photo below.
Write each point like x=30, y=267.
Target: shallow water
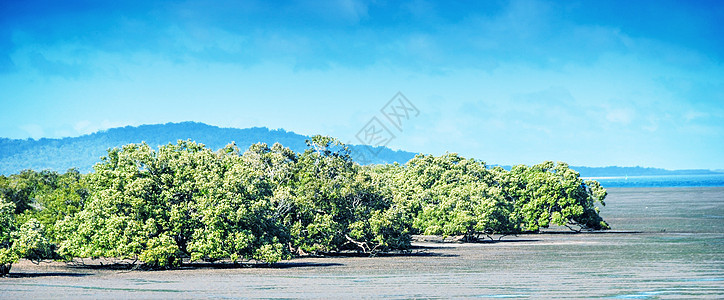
x=704, y=180
x=667, y=243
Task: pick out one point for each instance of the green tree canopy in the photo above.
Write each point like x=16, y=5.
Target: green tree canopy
x=187, y=202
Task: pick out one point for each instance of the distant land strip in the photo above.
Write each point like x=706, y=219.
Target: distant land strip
x=84, y=151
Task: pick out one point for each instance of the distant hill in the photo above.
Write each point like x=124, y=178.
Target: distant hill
x=636, y=171
x=84, y=151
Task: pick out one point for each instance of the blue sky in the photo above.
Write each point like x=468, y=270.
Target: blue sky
x=592, y=83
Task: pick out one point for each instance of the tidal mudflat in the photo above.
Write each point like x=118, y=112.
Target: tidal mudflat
x=665, y=243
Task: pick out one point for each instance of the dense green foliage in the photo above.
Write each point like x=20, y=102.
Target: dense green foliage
x=187, y=202
x=30, y=205
x=181, y=200
x=7, y=228
x=336, y=206
x=451, y=195
x=553, y=194
x=28, y=241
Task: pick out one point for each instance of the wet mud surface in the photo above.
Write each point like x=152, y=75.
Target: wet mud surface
x=666, y=243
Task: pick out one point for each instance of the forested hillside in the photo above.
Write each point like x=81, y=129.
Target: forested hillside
x=84, y=151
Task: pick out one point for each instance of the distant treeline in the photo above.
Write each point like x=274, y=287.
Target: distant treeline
x=187, y=202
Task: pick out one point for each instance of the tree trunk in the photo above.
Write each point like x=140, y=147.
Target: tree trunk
x=5, y=269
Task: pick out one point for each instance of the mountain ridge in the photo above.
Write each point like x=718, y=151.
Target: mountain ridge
x=82, y=152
